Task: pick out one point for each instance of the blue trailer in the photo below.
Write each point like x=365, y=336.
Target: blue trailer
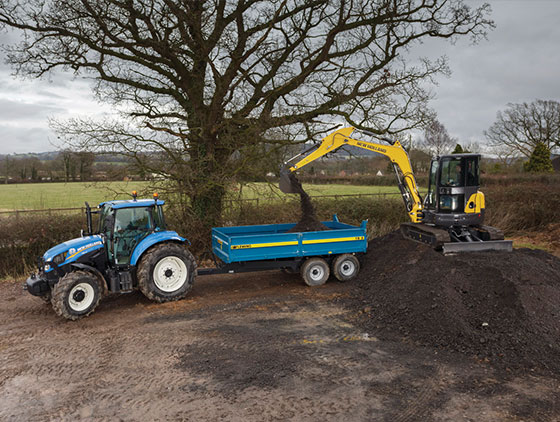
x=273, y=246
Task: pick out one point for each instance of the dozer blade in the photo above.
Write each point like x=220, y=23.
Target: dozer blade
x=487, y=245
x=285, y=183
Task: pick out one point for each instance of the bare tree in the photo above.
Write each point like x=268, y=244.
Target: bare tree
x=521, y=127
x=436, y=139
x=200, y=81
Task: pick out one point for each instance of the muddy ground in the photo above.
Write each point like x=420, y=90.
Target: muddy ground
x=248, y=347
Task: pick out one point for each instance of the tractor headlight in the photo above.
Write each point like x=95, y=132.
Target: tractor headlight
x=47, y=267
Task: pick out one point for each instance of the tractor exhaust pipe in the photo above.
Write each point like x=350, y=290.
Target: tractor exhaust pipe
x=88, y=219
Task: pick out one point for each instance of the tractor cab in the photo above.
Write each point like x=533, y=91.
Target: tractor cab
x=124, y=224
x=453, y=197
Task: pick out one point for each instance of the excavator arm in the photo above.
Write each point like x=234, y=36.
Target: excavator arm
x=393, y=150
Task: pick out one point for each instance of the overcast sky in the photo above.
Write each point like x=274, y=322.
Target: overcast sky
x=519, y=62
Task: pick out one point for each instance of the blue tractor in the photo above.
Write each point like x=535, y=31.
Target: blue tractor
x=131, y=249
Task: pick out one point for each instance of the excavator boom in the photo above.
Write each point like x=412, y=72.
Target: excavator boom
x=391, y=149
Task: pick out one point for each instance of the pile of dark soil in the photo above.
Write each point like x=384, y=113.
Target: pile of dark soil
x=308, y=221
x=500, y=307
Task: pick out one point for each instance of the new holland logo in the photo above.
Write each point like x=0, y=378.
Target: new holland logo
x=73, y=252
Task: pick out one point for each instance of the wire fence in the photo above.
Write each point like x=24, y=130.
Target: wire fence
x=230, y=202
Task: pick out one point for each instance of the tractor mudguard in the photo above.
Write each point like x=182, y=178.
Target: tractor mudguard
x=93, y=270
x=152, y=239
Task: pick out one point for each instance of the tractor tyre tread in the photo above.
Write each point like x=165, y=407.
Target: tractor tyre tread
x=61, y=290
x=46, y=297
x=148, y=262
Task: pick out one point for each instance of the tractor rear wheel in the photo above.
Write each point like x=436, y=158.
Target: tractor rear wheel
x=166, y=272
x=76, y=295
x=315, y=271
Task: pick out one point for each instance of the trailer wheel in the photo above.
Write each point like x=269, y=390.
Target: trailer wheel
x=315, y=272
x=76, y=295
x=345, y=267
x=166, y=272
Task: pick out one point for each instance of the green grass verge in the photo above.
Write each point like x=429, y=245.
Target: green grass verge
x=68, y=195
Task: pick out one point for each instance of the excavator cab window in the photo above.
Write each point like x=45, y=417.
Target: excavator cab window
x=452, y=173
x=472, y=171
x=431, y=200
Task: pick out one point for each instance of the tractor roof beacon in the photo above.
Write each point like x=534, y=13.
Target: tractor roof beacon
x=129, y=249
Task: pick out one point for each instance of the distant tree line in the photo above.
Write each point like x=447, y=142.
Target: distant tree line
x=63, y=166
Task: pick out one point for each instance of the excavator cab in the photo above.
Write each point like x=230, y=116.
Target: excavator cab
x=453, y=196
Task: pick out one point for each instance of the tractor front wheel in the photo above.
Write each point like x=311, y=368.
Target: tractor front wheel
x=76, y=295
x=166, y=272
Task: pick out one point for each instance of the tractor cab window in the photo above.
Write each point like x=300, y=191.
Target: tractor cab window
x=159, y=222
x=104, y=223
x=452, y=173
x=136, y=218
x=131, y=226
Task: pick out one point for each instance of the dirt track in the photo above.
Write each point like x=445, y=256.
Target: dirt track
x=250, y=347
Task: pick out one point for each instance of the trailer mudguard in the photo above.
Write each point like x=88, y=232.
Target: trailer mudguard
x=152, y=239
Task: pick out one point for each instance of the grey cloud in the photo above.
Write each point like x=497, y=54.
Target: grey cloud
x=518, y=63
x=11, y=110
x=21, y=140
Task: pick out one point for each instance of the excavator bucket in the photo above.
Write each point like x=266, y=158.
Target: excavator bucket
x=285, y=182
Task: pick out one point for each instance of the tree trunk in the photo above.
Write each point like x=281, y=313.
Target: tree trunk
x=207, y=188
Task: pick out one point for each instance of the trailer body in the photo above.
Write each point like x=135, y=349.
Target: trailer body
x=275, y=242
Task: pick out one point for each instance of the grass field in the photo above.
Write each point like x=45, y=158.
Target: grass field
x=67, y=195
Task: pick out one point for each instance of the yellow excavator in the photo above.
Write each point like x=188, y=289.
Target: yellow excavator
x=451, y=215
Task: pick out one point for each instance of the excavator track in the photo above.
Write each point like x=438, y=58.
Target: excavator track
x=423, y=233
x=492, y=239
